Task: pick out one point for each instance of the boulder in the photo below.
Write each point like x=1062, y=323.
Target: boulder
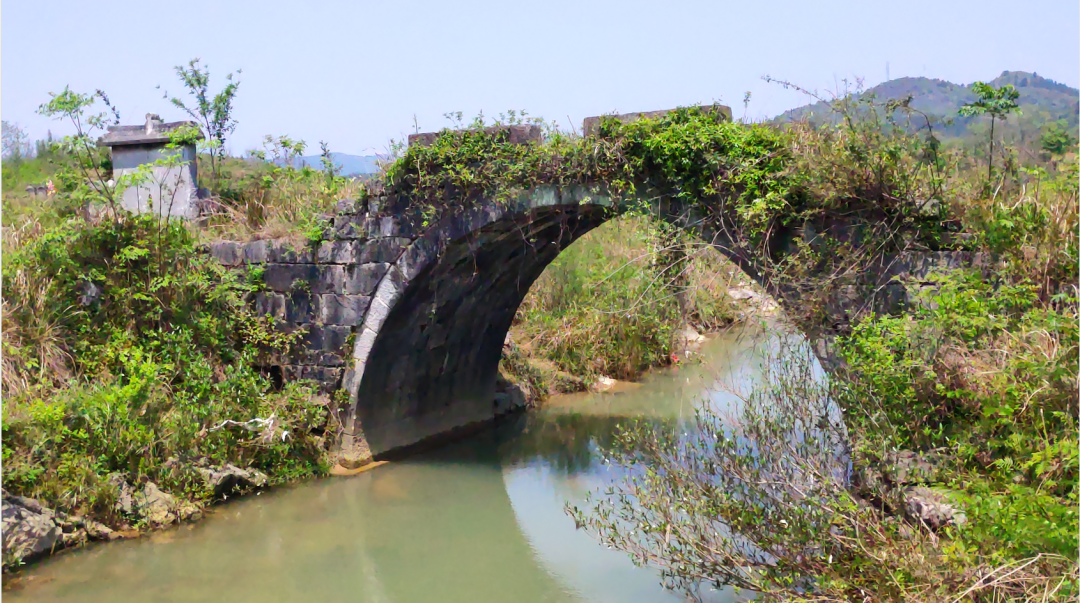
x=229, y=479
x=931, y=508
x=29, y=529
x=603, y=384
x=896, y=471
x=688, y=338
x=906, y=467
x=510, y=399
x=156, y=507
x=742, y=293
x=125, y=494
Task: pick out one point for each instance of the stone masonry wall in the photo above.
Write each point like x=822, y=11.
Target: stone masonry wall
x=325, y=288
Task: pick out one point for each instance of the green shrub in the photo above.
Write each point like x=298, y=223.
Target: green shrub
x=986, y=374
x=151, y=353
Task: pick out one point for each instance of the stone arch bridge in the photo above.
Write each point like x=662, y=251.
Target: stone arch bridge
x=410, y=319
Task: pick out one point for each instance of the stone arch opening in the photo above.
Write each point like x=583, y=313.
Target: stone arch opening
x=433, y=365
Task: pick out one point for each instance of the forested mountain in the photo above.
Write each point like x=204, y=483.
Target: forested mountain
x=1042, y=102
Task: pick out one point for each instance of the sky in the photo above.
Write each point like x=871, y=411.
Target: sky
x=359, y=74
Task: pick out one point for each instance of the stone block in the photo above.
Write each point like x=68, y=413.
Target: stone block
x=257, y=252
x=286, y=277
x=339, y=252
x=364, y=342
x=289, y=252
x=329, y=279
x=299, y=307
x=383, y=250
x=363, y=279
x=327, y=378
x=319, y=358
x=347, y=206
x=228, y=253
x=416, y=257
x=270, y=304
x=341, y=309
x=388, y=226
x=515, y=134
x=350, y=227
x=329, y=338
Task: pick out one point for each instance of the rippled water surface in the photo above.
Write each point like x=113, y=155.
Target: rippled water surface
x=481, y=520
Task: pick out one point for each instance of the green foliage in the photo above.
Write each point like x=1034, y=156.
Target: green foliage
x=998, y=103
x=214, y=113
x=83, y=173
x=688, y=153
x=152, y=352
x=275, y=194
x=989, y=374
x=1056, y=139
x=995, y=102
x=603, y=306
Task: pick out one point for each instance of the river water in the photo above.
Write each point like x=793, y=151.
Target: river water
x=481, y=520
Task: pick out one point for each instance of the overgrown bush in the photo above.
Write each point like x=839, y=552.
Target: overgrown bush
x=979, y=369
x=269, y=194
x=125, y=346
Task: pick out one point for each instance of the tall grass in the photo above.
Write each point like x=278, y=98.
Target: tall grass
x=266, y=196
x=608, y=305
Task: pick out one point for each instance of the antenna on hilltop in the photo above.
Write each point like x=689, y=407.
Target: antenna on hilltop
x=887, y=71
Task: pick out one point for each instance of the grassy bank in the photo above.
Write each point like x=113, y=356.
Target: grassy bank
x=614, y=304
x=124, y=349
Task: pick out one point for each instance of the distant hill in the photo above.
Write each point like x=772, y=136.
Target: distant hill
x=1041, y=101
x=350, y=165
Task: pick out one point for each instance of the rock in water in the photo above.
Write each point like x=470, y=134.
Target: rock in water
x=603, y=384
x=230, y=478
x=688, y=338
x=508, y=400
x=28, y=529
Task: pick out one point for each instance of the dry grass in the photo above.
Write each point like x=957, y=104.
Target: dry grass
x=34, y=347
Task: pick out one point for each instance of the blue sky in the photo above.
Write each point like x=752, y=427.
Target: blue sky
x=357, y=73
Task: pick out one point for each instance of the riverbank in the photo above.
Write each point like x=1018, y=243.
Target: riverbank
x=477, y=520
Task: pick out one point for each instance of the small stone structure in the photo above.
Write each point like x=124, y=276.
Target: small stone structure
x=169, y=190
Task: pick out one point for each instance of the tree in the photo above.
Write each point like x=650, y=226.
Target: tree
x=215, y=115
x=995, y=102
x=1056, y=139
x=15, y=145
x=85, y=176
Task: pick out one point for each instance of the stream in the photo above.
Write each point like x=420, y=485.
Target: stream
x=480, y=520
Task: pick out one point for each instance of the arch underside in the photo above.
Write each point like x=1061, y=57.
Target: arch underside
x=434, y=362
